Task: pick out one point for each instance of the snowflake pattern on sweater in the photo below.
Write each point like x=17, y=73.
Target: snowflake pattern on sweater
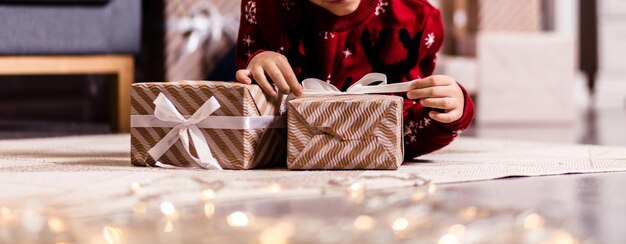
x=399, y=38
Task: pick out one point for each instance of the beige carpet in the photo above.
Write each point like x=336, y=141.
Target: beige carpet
x=89, y=167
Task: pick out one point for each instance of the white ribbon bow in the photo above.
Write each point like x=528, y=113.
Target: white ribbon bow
x=205, y=25
x=316, y=87
x=187, y=131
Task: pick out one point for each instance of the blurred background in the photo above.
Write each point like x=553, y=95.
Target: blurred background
x=542, y=70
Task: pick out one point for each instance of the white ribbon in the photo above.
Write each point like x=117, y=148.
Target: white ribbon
x=315, y=87
x=187, y=131
x=205, y=25
x=216, y=122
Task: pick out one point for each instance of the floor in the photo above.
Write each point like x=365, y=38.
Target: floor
x=589, y=206
x=82, y=187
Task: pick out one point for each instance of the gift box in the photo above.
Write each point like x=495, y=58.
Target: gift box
x=345, y=132
x=509, y=16
x=466, y=19
x=526, y=79
x=198, y=34
x=207, y=124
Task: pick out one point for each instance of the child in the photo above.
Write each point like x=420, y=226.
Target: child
x=340, y=41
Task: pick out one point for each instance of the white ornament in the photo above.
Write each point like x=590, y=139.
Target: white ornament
x=347, y=53
x=412, y=124
x=250, y=12
x=328, y=78
x=382, y=7
x=426, y=121
x=429, y=40
x=248, y=40
x=327, y=35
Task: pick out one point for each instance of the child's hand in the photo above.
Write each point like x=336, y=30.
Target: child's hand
x=439, y=92
x=274, y=65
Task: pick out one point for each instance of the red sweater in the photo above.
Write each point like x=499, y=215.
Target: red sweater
x=399, y=38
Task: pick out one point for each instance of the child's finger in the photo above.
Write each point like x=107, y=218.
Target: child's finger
x=440, y=103
x=243, y=76
x=445, y=118
x=261, y=80
x=291, y=78
x=428, y=92
x=430, y=82
x=277, y=77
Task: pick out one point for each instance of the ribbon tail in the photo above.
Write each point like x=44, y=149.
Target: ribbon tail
x=166, y=166
x=205, y=158
x=391, y=88
x=165, y=143
x=370, y=78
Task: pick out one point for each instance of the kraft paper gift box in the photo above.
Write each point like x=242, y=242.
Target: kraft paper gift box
x=345, y=132
x=341, y=131
x=508, y=16
x=526, y=79
x=200, y=123
x=198, y=34
x=466, y=19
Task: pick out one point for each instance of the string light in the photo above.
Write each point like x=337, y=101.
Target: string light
x=457, y=230
x=534, y=221
x=364, y=223
x=56, y=224
x=418, y=196
x=432, y=188
x=274, y=187
x=468, y=213
x=238, y=219
x=357, y=192
x=168, y=209
x=209, y=209
x=418, y=216
x=112, y=235
x=169, y=227
x=6, y=215
x=449, y=239
x=400, y=224
x=278, y=234
x=207, y=195
x=135, y=187
x=561, y=237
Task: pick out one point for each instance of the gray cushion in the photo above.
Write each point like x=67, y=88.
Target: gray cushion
x=70, y=29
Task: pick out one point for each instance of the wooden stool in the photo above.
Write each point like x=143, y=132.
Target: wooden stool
x=120, y=65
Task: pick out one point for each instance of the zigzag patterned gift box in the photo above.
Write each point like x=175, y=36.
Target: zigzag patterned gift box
x=333, y=129
x=207, y=124
x=345, y=132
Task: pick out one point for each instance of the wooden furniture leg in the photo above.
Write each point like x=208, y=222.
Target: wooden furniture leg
x=120, y=65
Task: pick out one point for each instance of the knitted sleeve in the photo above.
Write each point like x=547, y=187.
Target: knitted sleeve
x=422, y=134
